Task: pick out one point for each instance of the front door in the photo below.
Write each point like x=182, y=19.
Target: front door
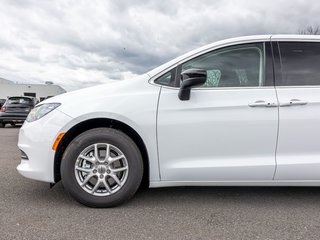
x=227, y=131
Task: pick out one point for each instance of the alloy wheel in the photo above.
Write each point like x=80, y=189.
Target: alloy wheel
x=101, y=169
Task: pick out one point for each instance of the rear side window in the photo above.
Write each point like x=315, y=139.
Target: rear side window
x=300, y=62
x=19, y=100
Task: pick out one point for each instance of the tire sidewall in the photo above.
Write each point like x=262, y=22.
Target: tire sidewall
x=124, y=144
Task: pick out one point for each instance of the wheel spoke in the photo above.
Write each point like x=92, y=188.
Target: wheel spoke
x=114, y=159
x=90, y=175
x=89, y=159
x=87, y=170
x=106, y=185
x=115, y=170
x=116, y=179
x=96, y=152
x=94, y=189
x=107, y=152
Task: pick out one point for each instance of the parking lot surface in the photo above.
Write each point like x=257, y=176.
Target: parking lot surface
x=30, y=210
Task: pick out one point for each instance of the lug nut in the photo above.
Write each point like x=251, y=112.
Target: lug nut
x=94, y=171
x=101, y=176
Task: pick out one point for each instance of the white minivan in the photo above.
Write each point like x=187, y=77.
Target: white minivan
x=240, y=112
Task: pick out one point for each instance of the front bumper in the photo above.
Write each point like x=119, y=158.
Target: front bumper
x=36, y=140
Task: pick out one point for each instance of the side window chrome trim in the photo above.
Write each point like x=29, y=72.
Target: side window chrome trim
x=225, y=88
x=300, y=86
x=233, y=88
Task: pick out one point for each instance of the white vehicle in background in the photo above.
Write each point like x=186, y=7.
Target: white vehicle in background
x=240, y=112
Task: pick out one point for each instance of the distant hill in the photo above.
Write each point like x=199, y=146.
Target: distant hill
x=5, y=81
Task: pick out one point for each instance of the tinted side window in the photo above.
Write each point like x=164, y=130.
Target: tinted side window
x=167, y=79
x=300, y=63
x=236, y=66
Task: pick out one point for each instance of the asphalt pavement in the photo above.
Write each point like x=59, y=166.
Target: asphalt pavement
x=31, y=210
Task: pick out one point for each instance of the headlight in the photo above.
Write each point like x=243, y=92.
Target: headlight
x=41, y=110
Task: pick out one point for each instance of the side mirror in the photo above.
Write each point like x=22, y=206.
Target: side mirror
x=191, y=78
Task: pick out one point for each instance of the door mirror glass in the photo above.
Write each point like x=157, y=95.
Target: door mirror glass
x=191, y=78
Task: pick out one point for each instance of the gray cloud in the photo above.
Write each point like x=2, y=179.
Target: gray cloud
x=77, y=43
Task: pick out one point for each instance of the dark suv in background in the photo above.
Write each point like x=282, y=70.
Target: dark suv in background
x=2, y=101
x=16, y=109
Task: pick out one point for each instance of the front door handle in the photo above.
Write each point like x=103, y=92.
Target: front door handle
x=261, y=103
x=293, y=102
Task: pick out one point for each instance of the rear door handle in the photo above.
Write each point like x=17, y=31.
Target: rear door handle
x=261, y=103
x=293, y=102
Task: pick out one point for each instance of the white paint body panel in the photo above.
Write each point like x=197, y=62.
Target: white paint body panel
x=213, y=139
x=36, y=140
x=132, y=102
x=216, y=136
x=298, y=152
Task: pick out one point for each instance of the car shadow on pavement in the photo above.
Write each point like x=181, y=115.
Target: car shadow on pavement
x=188, y=196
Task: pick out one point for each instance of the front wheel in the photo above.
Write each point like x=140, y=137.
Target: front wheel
x=102, y=167
x=2, y=125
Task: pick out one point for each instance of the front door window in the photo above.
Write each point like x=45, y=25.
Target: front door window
x=237, y=66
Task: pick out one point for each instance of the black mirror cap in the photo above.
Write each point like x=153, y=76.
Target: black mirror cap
x=191, y=78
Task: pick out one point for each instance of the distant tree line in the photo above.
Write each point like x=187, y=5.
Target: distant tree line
x=310, y=30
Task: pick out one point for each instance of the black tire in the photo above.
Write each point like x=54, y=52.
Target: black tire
x=2, y=125
x=119, y=140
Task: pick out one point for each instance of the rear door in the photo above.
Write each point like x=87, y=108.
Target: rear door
x=298, y=90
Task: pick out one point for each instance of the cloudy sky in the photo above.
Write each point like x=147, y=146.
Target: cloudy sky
x=77, y=43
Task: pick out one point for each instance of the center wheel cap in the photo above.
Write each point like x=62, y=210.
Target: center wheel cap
x=101, y=169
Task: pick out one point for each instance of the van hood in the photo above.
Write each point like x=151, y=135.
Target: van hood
x=111, y=88
x=87, y=98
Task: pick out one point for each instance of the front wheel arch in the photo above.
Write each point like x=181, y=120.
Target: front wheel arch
x=98, y=123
